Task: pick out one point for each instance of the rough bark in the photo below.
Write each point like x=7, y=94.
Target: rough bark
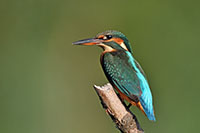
x=125, y=121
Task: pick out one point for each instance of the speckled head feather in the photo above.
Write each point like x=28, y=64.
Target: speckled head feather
x=117, y=34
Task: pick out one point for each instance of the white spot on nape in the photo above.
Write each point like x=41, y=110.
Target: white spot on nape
x=123, y=46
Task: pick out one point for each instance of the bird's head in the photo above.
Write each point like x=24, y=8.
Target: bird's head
x=109, y=40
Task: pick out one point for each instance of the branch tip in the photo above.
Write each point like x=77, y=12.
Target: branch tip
x=125, y=120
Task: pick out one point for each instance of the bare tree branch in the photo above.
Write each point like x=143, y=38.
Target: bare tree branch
x=125, y=121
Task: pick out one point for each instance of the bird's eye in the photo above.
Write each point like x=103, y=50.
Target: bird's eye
x=107, y=37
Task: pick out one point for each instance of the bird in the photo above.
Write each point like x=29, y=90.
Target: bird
x=122, y=70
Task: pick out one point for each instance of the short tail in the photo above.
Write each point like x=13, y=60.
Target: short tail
x=148, y=109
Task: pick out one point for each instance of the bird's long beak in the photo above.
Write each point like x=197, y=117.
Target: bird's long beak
x=90, y=41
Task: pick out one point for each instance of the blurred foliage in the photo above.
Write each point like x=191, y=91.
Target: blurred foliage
x=46, y=82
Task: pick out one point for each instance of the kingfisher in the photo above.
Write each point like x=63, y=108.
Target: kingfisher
x=122, y=70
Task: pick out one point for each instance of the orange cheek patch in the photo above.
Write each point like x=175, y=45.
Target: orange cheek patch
x=118, y=41
x=101, y=36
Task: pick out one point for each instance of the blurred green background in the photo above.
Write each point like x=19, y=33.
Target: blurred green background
x=46, y=82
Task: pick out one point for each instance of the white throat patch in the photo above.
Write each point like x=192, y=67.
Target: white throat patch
x=106, y=48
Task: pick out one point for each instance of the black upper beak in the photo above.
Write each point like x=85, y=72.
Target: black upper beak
x=90, y=41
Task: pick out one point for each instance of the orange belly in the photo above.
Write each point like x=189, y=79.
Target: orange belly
x=124, y=97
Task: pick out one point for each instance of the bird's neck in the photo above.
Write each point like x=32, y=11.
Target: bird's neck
x=106, y=48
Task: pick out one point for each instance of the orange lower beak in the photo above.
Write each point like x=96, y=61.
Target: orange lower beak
x=90, y=41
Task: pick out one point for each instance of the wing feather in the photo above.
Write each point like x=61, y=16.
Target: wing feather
x=121, y=72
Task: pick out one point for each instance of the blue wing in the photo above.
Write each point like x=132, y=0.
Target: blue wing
x=125, y=72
